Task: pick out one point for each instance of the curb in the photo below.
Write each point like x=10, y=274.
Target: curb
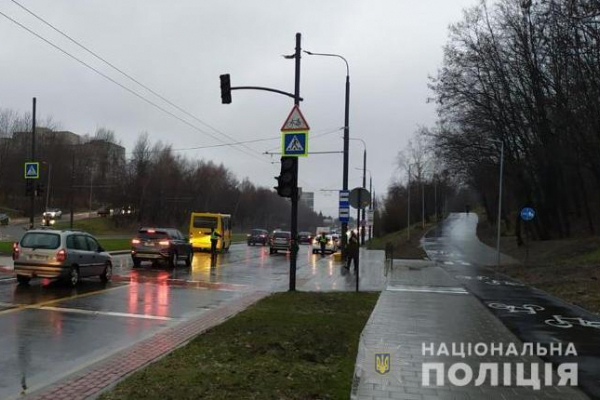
x=90, y=382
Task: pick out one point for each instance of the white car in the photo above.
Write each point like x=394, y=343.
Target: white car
x=52, y=213
x=330, y=247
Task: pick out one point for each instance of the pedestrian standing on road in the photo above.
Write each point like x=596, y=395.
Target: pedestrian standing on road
x=214, y=239
x=352, y=251
x=323, y=243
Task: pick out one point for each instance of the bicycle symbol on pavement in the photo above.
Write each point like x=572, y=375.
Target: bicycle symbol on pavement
x=489, y=281
x=560, y=321
x=525, y=308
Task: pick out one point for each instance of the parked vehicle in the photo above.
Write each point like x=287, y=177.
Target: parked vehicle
x=4, y=219
x=330, y=247
x=260, y=236
x=305, y=237
x=280, y=241
x=200, y=227
x=161, y=244
x=56, y=254
x=52, y=213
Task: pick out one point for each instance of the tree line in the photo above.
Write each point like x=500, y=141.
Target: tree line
x=159, y=185
x=524, y=77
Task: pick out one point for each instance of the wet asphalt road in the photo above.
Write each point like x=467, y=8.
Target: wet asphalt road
x=49, y=330
x=532, y=315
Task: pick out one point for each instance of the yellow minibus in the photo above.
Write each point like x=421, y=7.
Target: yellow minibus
x=200, y=226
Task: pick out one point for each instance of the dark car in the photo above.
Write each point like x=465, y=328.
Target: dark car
x=161, y=244
x=259, y=236
x=304, y=238
x=281, y=240
x=4, y=219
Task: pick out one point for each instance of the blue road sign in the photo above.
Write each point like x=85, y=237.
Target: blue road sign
x=527, y=214
x=295, y=144
x=344, y=207
x=32, y=170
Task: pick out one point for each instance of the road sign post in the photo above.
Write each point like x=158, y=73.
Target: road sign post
x=527, y=215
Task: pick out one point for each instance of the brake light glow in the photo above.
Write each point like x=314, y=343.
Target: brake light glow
x=16, y=251
x=135, y=241
x=164, y=242
x=61, y=255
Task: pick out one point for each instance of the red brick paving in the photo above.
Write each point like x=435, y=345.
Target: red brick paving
x=93, y=380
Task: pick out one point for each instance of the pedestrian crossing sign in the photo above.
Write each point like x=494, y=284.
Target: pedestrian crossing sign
x=294, y=144
x=32, y=170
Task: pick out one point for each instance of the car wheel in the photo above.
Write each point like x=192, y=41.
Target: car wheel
x=23, y=280
x=173, y=260
x=74, y=276
x=137, y=263
x=106, y=276
x=189, y=259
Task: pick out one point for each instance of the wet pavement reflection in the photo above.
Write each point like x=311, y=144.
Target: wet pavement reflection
x=49, y=330
x=531, y=314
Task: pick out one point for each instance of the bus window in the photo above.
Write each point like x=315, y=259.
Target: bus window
x=205, y=222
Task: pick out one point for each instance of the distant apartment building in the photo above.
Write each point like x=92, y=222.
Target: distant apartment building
x=45, y=136
x=308, y=198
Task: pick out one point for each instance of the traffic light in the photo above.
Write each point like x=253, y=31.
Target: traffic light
x=28, y=188
x=39, y=189
x=287, y=181
x=225, y=89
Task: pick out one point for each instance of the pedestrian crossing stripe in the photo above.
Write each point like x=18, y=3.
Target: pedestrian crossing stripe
x=32, y=170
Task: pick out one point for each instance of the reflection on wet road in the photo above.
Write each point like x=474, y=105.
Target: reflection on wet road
x=532, y=315
x=49, y=330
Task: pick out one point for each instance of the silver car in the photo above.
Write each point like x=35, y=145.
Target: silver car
x=56, y=254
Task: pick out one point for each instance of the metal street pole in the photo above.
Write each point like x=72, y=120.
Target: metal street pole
x=294, y=224
x=364, y=210
x=71, y=205
x=408, y=214
x=371, y=206
x=499, y=221
x=346, y=139
x=435, y=198
x=422, y=201
x=32, y=210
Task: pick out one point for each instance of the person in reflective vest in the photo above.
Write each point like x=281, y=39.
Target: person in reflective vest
x=214, y=239
x=323, y=243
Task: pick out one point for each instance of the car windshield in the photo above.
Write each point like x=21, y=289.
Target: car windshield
x=258, y=232
x=40, y=240
x=285, y=235
x=205, y=222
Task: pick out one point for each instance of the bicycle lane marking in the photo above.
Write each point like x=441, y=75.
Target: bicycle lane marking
x=557, y=321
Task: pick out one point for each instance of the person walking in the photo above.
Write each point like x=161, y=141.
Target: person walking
x=214, y=239
x=323, y=243
x=352, y=251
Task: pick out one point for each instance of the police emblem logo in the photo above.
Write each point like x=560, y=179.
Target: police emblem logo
x=383, y=363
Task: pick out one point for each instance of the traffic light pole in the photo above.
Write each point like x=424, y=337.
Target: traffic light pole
x=294, y=224
x=32, y=200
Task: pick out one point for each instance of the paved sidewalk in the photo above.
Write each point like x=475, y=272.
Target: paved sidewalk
x=422, y=305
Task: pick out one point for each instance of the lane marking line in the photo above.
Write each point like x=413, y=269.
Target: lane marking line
x=45, y=303
x=427, y=289
x=107, y=313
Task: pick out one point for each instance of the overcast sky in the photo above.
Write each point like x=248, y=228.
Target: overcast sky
x=179, y=49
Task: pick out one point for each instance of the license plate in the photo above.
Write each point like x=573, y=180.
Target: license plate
x=38, y=257
x=150, y=244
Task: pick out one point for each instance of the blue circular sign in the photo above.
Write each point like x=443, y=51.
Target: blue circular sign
x=527, y=214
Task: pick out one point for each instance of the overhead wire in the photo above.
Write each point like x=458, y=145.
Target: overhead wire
x=138, y=95
x=160, y=96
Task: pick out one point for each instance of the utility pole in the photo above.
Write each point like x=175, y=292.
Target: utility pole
x=364, y=210
x=71, y=205
x=408, y=214
x=294, y=224
x=32, y=200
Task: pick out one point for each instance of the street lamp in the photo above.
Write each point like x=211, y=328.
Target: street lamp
x=498, y=222
x=364, y=185
x=346, y=135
